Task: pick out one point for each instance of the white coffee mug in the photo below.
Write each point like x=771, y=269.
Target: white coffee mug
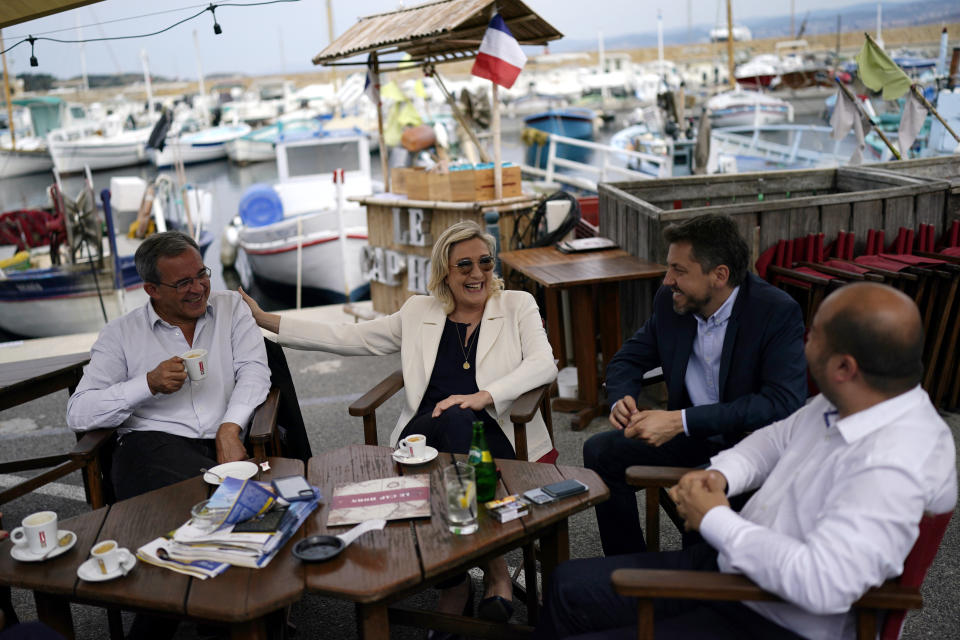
x=196, y=362
x=413, y=446
x=107, y=555
x=38, y=532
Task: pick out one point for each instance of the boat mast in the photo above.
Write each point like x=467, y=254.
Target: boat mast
x=6, y=95
x=730, y=64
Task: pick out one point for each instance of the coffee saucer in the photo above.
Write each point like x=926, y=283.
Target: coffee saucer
x=23, y=553
x=89, y=570
x=429, y=454
x=241, y=470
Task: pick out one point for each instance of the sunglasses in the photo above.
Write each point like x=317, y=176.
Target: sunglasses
x=466, y=265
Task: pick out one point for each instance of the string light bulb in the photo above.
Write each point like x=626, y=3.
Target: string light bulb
x=216, y=25
x=33, y=58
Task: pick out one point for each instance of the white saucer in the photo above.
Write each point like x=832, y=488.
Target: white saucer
x=89, y=570
x=23, y=553
x=241, y=470
x=429, y=454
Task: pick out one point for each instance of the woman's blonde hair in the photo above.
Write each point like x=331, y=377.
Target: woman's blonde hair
x=440, y=260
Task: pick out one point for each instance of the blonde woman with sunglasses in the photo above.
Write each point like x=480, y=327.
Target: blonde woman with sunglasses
x=468, y=351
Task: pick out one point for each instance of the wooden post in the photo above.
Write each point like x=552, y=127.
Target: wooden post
x=497, y=168
x=384, y=161
x=6, y=96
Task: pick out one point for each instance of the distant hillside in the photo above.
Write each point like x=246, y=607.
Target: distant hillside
x=860, y=17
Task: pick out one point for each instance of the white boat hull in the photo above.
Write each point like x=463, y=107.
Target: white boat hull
x=21, y=163
x=202, y=146
x=243, y=151
x=79, y=313
x=71, y=156
x=326, y=266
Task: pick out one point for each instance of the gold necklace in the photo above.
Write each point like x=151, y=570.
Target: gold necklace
x=466, y=358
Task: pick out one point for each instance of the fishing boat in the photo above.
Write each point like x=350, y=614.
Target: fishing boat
x=260, y=145
x=297, y=230
x=64, y=275
x=198, y=145
x=570, y=122
x=740, y=107
x=23, y=148
x=758, y=72
x=107, y=145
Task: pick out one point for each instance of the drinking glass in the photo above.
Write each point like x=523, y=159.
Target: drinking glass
x=460, y=485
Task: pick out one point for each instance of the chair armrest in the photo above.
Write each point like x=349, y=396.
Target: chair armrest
x=642, y=476
x=890, y=595
x=526, y=406
x=89, y=445
x=264, y=421
x=367, y=403
x=688, y=585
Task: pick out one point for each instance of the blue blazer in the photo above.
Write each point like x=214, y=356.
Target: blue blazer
x=762, y=366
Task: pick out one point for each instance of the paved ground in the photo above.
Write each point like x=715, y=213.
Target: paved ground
x=326, y=385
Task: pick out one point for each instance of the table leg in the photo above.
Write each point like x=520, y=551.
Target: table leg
x=372, y=622
x=250, y=630
x=554, y=549
x=585, y=353
x=54, y=611
x=530, y=580
x=555, y=325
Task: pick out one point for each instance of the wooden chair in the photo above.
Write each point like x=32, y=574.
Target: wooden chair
x=523, y=411
x=895, y=596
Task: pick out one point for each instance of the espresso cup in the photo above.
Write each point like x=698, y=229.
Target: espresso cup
x=413, y=446
x=107, y=555
x=38, y=532
x=196, y=362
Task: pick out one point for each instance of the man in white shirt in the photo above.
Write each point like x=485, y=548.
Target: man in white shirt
x=842, y=485
x=169, y=426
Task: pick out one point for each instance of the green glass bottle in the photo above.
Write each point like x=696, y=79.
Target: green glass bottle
x=482, y=462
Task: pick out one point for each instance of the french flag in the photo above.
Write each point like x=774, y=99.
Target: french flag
x=500, y=58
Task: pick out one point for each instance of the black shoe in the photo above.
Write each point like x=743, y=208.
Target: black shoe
x=433, y=634
x=495, y=609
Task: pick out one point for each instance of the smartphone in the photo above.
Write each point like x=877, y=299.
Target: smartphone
x=565, y=488
x=537, y=496
x=292, y=488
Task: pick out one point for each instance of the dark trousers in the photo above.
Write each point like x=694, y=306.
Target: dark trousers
x=29, y=631
x=452, y=431
x=148, y=460
x=580, y=602
x=609, y=454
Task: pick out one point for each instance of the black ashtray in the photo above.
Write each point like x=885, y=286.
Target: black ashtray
x=318, y=548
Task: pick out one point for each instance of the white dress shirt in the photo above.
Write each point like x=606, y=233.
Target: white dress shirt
x=114, y=390
x=839, y=506
x=703, y=368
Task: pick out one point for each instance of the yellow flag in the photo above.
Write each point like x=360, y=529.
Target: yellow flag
x=877, y=71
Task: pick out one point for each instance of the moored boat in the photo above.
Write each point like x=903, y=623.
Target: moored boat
x=203, y=145
x=570, y=122
x=740, y=107
x=106, y=146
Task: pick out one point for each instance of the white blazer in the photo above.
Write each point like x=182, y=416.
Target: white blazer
x=513, y=354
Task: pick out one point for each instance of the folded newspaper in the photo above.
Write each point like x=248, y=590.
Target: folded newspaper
x=197, y=550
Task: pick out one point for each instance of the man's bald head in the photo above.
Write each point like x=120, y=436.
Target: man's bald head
x=881, y=328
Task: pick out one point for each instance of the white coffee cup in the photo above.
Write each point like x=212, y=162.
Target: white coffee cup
x=413, y=446
x=196, y=362
x=38, y=532
x=107, y=555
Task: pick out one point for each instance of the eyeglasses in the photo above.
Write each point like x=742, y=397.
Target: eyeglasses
x=466, y=265
x=182, y=286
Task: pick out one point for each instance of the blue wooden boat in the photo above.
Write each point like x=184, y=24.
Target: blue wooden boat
x=570, y=122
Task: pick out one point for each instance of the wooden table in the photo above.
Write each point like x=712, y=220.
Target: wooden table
x=376, y=571
x=242, y=599
x=384, y=567
x=593, y=280
x=31, y=379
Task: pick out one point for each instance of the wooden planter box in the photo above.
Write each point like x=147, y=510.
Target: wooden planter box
x=476, y=185
x=793, y=204
x=939, y=168
x=426, y=185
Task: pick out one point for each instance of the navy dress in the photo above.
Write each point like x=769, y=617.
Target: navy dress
x=452, y=431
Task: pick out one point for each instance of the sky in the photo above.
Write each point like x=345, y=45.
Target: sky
x=283, y=37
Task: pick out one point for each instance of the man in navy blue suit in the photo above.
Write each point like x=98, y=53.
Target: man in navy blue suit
x=731, y=349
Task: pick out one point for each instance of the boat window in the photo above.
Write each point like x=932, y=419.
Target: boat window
x=311, y=160
x=680, y=159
